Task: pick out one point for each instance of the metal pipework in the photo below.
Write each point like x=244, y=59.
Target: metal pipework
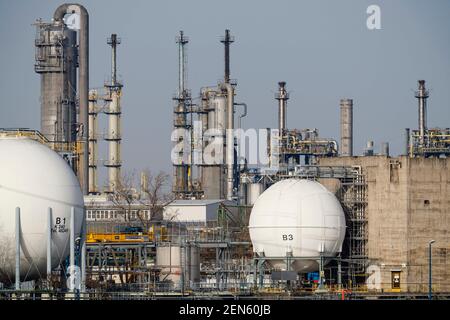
x=422, y=95
x=229, y=139
x=282, y=96
x=227, y=40
x=346, y=127
x=83, y=85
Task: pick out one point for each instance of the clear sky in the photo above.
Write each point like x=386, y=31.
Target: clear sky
x=322, y=49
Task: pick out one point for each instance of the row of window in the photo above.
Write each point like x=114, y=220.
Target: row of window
x=115, y=214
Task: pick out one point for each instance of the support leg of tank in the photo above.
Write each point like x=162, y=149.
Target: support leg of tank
x=339, y=274
x=83, y=257
x=17, y=249
x=49, y=248
x=321, y=273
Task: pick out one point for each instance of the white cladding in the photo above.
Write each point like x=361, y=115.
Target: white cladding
x=34, y=178
x=298, y=217
x=192, y=210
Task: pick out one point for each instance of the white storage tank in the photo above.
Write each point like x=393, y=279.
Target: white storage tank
x=299, y=218
x=34, y=178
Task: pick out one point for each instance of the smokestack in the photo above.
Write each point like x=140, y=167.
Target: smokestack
x=422, y=95
x=227, y=40
x=346, y=127
x=83, y=85
x=282, y=96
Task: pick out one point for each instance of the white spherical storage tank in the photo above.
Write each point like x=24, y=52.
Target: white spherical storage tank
x=300, y=218
x=33, y=177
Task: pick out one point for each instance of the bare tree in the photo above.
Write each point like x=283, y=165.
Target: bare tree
x=155, y=196
x=124, y=195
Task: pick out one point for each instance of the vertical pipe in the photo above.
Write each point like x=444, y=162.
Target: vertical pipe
x=182, y=40
x=282, y=96
x=17, y=238
x=227, y=40
x=230, y=140
x=346, y=127
x=422, y=95
x=407, y=141
x=180, y=185
x=49, y=243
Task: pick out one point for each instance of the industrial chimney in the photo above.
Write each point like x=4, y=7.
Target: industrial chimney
x=346, y=127
x=282, y=96
x=422, y=95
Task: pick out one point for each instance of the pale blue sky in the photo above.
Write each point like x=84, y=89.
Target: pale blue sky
x=321, y=48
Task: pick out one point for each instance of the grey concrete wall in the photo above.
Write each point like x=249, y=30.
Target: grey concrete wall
x=408, y=205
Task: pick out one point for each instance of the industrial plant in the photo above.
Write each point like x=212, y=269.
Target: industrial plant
x=268, y=213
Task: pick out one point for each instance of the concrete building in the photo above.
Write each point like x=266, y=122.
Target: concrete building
x=408, y=205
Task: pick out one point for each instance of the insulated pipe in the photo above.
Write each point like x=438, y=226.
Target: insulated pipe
x=229, y=139
x=244, y=114
x=83, y=84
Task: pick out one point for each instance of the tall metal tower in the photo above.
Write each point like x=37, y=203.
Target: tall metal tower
x=181, y=163
x=114, y=135
x=93, y=113
x=227, y=40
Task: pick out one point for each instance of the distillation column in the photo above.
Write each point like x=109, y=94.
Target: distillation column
x=181, y=166
x=422, y=95
x=346, y=127
x=56, y=62
x=93, y=142
x=114, y=135
x=83, y=86
x=230, y=141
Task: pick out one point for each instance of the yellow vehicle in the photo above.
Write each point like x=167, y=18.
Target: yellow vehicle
x=129, y=234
